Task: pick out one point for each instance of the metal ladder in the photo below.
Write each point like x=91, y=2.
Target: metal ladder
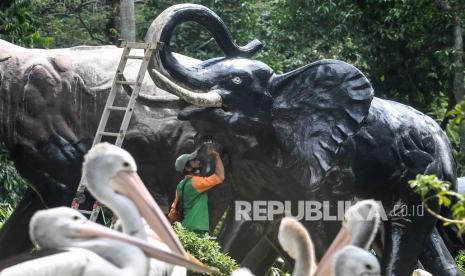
x=118, y=82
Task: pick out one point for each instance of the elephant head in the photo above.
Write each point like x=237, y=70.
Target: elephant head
x=309, y=111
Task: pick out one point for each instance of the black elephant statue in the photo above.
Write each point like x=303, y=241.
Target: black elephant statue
x=51, y=102
x=315, y=133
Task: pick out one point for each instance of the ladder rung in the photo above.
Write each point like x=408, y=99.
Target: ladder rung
x=116, y=108
x=114, y=134
x=134, y=57
x=138, y=45
x=126, y=82
x=88, y=212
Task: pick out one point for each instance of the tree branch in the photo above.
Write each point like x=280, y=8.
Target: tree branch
x=89, y=31
x=87, y=3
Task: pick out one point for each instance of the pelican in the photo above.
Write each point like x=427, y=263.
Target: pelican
x=111, y=177
x=84, y=248
x=354, y=261
x=360, y=225
x=296, y=241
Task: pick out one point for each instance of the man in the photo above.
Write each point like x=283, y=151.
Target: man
x=192, y=190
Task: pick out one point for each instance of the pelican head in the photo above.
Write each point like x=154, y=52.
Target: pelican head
x=355, y=261
x=55, y=228
x=106, y=163
x=111, y=175
x=63, y=227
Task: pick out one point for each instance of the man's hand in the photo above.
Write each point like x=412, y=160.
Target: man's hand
x=173, y=215
x=211, y=151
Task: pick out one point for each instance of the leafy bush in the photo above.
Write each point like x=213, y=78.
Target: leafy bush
x=460, y=260
x=206, y=250
x=429, y=187
x=18, y=24
x=456, y=132
x=5, y=212
x=12, y=186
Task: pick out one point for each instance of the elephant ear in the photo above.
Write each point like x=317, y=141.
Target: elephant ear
x=316, y=108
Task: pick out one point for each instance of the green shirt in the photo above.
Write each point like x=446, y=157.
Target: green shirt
x=195, y=207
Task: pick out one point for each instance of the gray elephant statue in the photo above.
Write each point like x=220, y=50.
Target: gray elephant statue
x=51, y=102
x=315, y=133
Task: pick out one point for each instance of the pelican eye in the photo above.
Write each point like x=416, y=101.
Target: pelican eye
x=236, y=80
x=368, y=266
x=75, y=217
x=126, y=164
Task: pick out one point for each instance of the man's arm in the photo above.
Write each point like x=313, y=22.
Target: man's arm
x=172, y=214
x=175, y=202
x=219, y=168
x=203, y=184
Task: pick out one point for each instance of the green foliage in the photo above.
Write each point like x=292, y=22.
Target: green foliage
x=425, y=185
x=206, y=250
x=5, y=212
x=12, y=186
x=76, y=22
x=429, y=187
x=278, y=269
x=18, y=24
x=460, y=260
x=456, y=132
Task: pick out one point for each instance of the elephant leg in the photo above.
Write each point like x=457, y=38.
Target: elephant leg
x=404, y=240
x=261, y=257
x=238, y=237
x=53, y=168
x=436, y=258
x=14, y=235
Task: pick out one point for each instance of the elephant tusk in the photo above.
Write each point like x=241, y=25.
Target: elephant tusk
x=209, y=99
x=3, y=58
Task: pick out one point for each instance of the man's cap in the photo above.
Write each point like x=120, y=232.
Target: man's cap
x=182, y=160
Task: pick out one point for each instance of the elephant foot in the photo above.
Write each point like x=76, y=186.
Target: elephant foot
x=436, y=258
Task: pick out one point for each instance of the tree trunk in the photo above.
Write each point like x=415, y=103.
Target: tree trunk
x=127, y=23
x=458, y=88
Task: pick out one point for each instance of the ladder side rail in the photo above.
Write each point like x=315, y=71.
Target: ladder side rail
x=104, y=119
x=111, y=97
x=134, y=95
x=118, y=81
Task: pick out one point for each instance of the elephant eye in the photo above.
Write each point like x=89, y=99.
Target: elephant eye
x=236, y=80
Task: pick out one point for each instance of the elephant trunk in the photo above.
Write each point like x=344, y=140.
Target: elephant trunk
x=193, y=78
x=162, y=28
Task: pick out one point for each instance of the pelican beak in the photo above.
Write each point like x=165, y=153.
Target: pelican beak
x=91, y=230
x=342, y=239
x=134, y=188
